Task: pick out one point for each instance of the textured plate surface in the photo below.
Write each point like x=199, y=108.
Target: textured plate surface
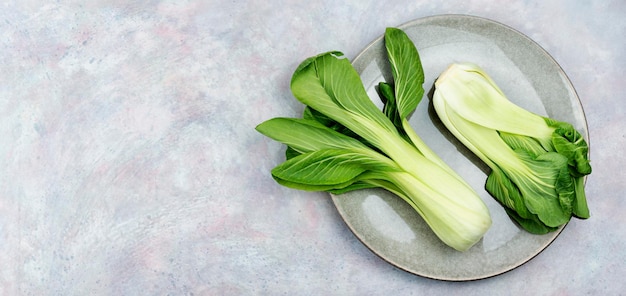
x=529, y=76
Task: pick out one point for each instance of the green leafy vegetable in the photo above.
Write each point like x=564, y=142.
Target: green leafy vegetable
x=344, y=143
x=537, y=163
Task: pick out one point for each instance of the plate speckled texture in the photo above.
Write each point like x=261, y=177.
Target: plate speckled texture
x=529, y=76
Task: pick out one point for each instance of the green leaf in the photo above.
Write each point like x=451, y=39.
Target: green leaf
x=343, y=84
x=505, y=192
x=401, y=97
x=580, y=209
x=310, y=113
x=328, y=167
x=331, y=86
x=305, y=135
x=390, y=109
x=538, y=186
x=311, y=60
x=509, y=196
x=528, y=144
x=532, y=225
x=370, y=179
x=566, y=190
x=570, y=143
x=357, y=185
x=308, y=89
x=312, y=187
x=406, y=68
x=291, y=153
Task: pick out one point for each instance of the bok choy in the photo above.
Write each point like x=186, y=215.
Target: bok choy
x=343, y=142
x=537, y=163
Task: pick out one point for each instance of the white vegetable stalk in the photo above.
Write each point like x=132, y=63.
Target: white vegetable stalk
x=464, y=95
x=462, y=81
x=452, y=209
x=458, y=220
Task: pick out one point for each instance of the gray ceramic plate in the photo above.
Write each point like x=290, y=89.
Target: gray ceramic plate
x=529, y=77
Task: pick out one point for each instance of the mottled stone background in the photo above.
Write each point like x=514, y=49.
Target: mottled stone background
x=129, y=164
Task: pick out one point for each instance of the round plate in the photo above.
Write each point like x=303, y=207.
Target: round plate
x=529, y=76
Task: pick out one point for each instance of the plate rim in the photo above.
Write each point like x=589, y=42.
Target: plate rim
x=568, y=84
